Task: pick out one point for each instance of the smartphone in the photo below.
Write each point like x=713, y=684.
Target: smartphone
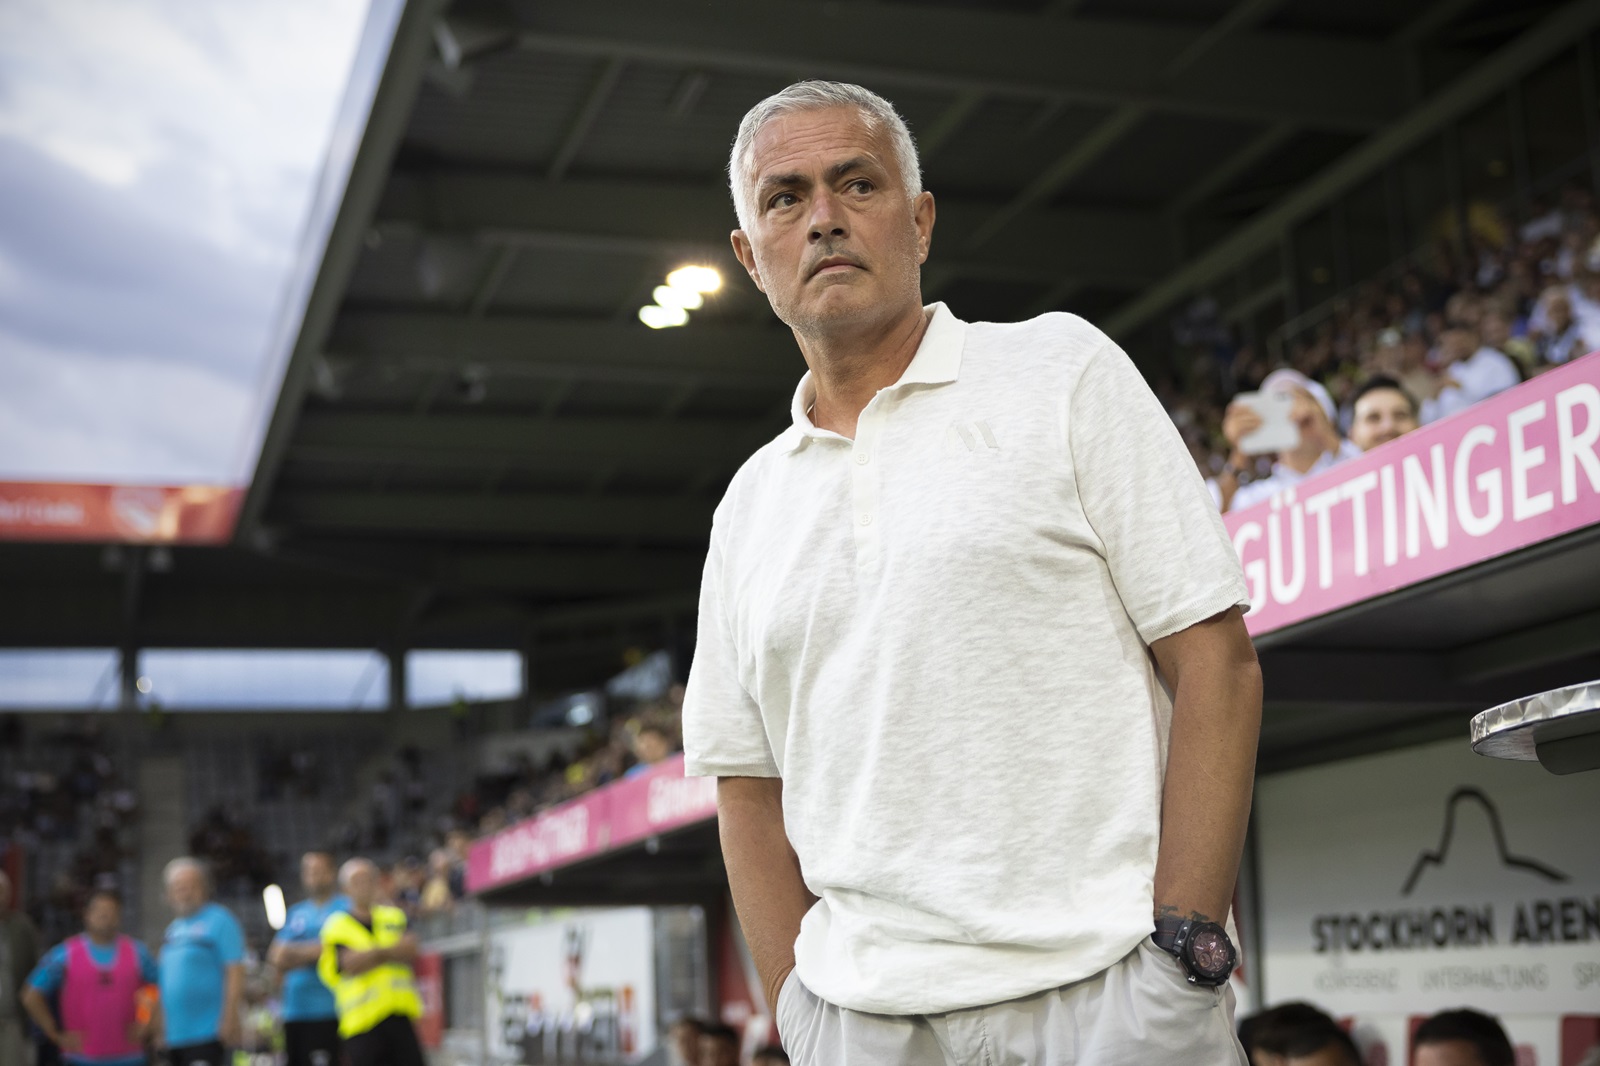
x=1277, y=432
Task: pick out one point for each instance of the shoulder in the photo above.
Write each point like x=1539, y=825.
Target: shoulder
x=219, y=916
x=754, y=475
x=1056, y=340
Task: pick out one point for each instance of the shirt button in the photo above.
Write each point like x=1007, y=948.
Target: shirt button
x=866, y=519
x=862, y=458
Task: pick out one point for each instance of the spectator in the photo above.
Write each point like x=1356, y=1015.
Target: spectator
x=719, y=1046
x=202, y=970
x=1472, y=372
x=651, y=744
x=771, y=1055
x=436, y=893
x=1383, y=410
x=1557, y=336
x=683, y=1041
x=19, y=950
x=95, y=977
x=1462, y=1038
x=310, y=1022
x=1296, y=1034
x=1319, y=448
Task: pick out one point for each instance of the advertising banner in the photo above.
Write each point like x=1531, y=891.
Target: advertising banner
x=1430, y=878
x=573, y=987
x=150, y=514
x=1518, y=468
x=655, y=800
x=429, y=972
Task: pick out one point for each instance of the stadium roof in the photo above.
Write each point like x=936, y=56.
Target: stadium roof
x=478, y=443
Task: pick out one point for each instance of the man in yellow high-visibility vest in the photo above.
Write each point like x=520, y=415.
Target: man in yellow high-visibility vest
x=366, y=960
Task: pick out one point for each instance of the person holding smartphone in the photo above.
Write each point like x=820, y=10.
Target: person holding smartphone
x=1319, y=445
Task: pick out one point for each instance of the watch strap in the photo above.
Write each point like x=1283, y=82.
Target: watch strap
x=1166, y=935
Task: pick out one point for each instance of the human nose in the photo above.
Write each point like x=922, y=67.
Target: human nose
x=827, y=217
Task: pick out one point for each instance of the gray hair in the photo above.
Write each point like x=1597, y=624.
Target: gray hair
x=878, y=114
x=178, y=865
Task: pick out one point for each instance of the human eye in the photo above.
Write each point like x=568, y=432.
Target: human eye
x=782, y=199
x=861, y=185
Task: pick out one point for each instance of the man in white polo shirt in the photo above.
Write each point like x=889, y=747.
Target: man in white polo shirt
x=971, y=669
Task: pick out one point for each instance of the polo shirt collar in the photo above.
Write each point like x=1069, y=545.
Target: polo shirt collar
x=937, y=362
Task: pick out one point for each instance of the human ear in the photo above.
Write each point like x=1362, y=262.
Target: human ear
x=746, y=255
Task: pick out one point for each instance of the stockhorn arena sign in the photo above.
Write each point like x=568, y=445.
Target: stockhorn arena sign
x=1430, y=878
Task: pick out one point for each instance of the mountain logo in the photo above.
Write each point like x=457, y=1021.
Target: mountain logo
x=1439, y=855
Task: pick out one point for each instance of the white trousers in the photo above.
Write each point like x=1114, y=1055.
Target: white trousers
x=1141, y=1011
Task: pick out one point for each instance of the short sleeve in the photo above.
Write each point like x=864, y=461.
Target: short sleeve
x=1164, y=542
x=723, y=734
x=148, y=972
x=230, y=937
x=51, y=972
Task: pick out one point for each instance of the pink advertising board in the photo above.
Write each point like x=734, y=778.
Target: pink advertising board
x=656, y=800
x=1517, y=469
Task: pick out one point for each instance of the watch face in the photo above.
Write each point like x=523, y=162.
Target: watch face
x=1211, y=952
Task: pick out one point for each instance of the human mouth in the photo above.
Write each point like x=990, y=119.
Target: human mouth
x=834, y=264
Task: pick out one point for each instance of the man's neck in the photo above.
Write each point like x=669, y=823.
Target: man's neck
x=102, y=941
x=849, y=369
x=321, y=898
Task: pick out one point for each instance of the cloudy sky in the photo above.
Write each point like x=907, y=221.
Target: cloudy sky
x=158, y=160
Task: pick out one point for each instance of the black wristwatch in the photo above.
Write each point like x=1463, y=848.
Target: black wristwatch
x=1201, y=948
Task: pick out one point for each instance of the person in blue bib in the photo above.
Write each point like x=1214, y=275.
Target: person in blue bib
x=310, y=1019
x=202, y=970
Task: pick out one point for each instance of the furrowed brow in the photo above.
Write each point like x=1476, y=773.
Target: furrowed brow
x=849, y=166
x=773, y=182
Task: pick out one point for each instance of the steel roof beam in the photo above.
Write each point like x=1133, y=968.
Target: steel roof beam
x=1263, y=76
x=1116, y=246
x=1552, y=34
x=484, y=437
x=586, y=349
x=634, y=519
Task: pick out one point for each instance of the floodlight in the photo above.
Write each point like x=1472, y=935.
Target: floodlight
x=696, y=279
x=657, y=317
x=688, y=299
x=272, y=899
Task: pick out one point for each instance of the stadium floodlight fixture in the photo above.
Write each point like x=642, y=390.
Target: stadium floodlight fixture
x=143, y=685
x=672, y=296
x=657, y=317
x=701, y=279
x=277, y=912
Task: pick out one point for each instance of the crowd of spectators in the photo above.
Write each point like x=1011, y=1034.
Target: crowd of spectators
x=1466, y=319
x=1299, y=1034
x=70, y=810
x=430, y=875
x=225, y=840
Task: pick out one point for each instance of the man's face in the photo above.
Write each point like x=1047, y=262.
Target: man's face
x=186, y=890
x=1496, y=329
x=1447, y=1053
x=316, y=874
x=1380, y=416
x=718, y=1051
x=1559, y=312
x=832, y=238
x=102, y=918
x=361, y=883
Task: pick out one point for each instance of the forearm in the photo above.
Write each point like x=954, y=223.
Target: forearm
x=1205, y=809
x=404, y=953
x=233, y=991
x=33, y=1002
x=287, y=955
x=769, y=893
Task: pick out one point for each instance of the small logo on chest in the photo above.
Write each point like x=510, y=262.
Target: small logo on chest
x=973, y=437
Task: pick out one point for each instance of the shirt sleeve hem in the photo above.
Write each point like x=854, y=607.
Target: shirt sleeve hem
x=693, y=767
x=1194, y=612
